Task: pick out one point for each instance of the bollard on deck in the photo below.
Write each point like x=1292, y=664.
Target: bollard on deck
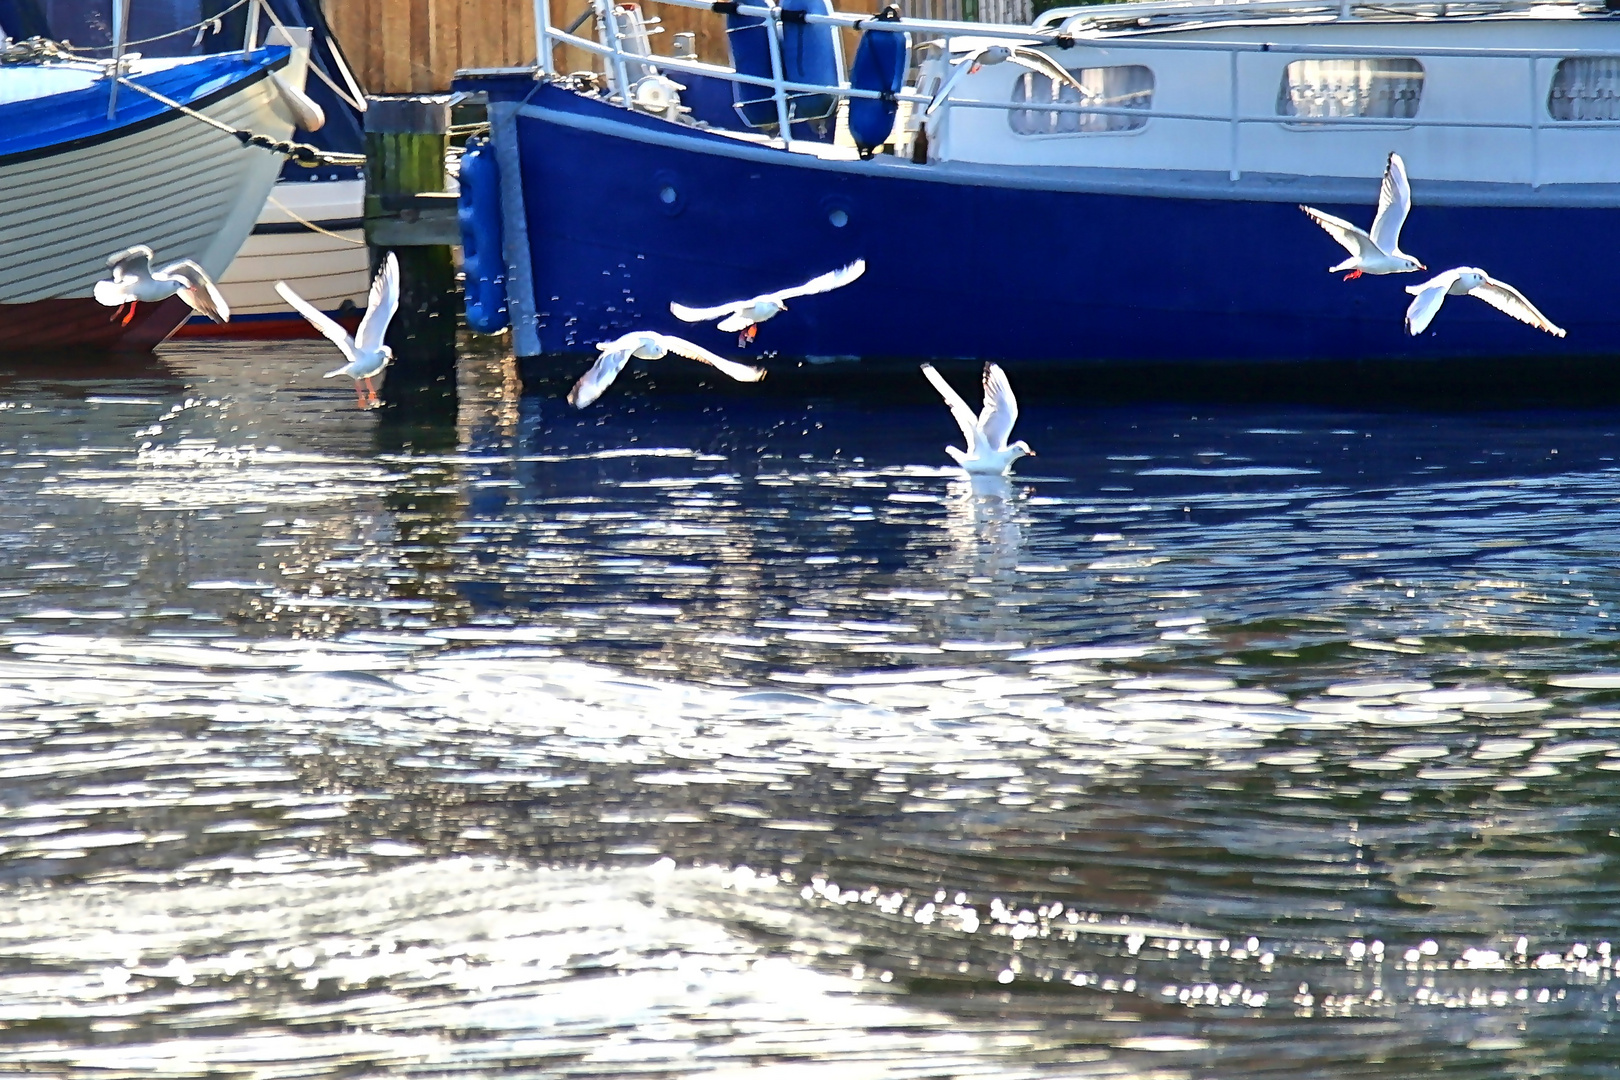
x=407, y=211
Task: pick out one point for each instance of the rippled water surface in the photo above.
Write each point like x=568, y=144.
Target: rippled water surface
x=719, y=731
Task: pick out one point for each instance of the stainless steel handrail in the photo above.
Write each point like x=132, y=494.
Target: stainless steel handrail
x=781, y=86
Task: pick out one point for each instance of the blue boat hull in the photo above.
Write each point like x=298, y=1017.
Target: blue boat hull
x=1007, y=269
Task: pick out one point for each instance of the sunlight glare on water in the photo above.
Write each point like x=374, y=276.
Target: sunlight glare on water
x=708, y=731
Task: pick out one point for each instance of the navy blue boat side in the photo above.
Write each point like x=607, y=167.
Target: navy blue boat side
x=961, y=263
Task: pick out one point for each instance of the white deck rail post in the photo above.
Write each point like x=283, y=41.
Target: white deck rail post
x=1535, y=126
x=542, y=36
x=1233, y=171
x=120, y=14
x=250, y=40
x=609, y=20
x=773, y=32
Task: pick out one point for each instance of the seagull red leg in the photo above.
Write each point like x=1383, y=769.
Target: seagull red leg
x=1352, y=275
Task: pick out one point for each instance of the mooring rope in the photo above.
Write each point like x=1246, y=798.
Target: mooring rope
x=306, y=223
x=213, y=24
x=35, y=49
x=303, y=153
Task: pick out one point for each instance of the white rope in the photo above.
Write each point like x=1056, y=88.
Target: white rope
x=279, y=205
x=302, y=153
x=213, y=21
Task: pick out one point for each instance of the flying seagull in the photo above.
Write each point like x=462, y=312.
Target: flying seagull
x=365, y=352
x=134, y=281
x=988, y=452
x=1031, y=59
x=1380, y=251
x=1472, y=281
x=744, y=316
x=646, y=345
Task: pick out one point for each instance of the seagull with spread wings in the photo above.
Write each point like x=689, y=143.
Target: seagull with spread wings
x=988, y=452
x=1472, y=281
x=744, y=316
x=1029, y=59
x=134, y=281
x=365, y=352
x=1377, y=252
x=647, y=345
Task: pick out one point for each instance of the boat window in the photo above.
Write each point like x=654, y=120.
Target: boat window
x=1128, y=86
x=1376, y=88
x=1585, y=88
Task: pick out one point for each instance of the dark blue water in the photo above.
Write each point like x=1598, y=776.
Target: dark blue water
x=723, y=729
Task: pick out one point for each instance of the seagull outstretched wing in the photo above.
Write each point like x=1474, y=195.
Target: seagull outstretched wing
x=197, y=289
x=692, y=314
x=381, y=304
x=1038, y=62
x=1426, y=301
x=1510, y=301
x=1000, y=408
x=833, y=279
x=135, y=260
x=959, y=408
x=682, y=347
x=958, y=72
x=320, y=321
x=1394, y=203
x=1352, y=239
x=615, y=354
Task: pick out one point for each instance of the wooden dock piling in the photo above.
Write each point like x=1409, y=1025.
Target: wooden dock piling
x=407, y=211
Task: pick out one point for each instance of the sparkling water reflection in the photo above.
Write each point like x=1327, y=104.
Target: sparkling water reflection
x=707, y=732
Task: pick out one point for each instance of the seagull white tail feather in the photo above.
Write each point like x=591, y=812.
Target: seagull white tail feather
x=112, y=293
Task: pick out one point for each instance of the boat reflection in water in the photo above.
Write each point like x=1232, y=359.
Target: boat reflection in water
x=1230, y=724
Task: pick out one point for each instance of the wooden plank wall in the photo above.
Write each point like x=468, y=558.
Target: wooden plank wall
x=415, y=46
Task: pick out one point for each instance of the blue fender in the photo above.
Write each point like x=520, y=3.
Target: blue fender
x=809, y=56
x=881, y=61
x=751, y=55
x=479, y=212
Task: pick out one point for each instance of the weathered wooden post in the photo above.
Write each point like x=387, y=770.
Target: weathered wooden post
x=409, y=212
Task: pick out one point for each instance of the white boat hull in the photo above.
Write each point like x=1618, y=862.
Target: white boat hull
x=327, y=266
x=175, y=184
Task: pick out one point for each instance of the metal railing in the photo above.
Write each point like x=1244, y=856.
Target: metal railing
x=548, y=37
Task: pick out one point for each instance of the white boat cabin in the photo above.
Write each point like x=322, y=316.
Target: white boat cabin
x=1467, y=92
x=1501, y=94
